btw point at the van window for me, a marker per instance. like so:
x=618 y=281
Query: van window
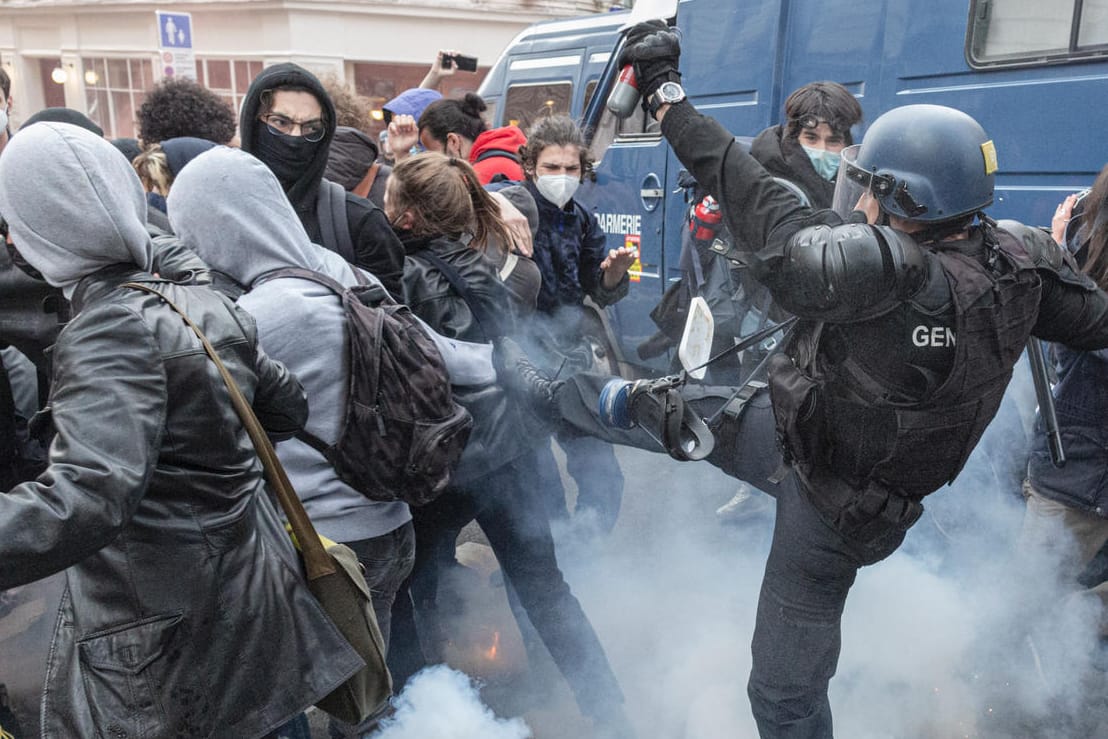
x=639 y=124
x=590 y=90
x=1023 y=32
x=525 y=103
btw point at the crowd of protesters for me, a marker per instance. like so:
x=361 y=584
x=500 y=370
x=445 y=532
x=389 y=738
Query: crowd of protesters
x=126 y=467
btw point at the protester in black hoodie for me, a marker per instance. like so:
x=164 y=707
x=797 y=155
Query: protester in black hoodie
x=298 y=110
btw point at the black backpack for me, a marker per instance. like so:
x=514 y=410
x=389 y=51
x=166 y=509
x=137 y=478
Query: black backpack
x=402 y=433
x=334 y=229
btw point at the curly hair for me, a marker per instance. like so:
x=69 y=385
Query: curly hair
x=180 y=107
x=555 y=130
x=351 y=109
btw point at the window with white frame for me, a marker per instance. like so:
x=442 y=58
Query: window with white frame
x=228 y=78
x=1033 y=32
x=114 y=90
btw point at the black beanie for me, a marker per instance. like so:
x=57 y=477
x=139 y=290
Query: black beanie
x=64 y=115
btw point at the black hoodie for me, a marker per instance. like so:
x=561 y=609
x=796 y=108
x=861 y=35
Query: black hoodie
x=784 y=157
x=376 y=247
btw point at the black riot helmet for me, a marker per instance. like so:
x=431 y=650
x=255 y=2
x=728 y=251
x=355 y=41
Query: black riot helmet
x=926 y=163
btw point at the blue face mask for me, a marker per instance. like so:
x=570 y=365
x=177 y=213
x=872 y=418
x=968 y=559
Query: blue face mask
x=825 y=163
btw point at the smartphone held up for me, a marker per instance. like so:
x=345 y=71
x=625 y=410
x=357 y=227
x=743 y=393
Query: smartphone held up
x=460 y=61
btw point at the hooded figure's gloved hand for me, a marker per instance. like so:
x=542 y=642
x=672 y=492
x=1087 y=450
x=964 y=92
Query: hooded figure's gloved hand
x=654 y=50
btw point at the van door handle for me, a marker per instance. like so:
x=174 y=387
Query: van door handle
x=651 y=192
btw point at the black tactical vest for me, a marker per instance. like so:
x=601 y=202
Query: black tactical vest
x=834 y=417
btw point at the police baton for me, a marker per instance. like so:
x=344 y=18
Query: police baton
x=1046 y=401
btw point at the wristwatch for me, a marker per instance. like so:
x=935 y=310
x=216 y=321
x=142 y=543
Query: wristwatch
x=667 y=94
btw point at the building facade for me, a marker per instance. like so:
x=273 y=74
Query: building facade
x=101 y=56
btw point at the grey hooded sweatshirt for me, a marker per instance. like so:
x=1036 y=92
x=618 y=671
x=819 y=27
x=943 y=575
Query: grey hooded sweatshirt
x=229 y=208
x=44 y=226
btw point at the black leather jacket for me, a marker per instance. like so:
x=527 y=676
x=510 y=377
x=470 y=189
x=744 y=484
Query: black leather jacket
x=503 y=428
x=429 y=294
x=183 y=612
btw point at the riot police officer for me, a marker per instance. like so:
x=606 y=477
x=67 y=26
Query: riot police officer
x=913 y=307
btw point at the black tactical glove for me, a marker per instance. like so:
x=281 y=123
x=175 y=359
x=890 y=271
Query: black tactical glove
x=654 y=50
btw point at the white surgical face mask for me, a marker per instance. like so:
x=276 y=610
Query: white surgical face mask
x=4 y=118
x=557 y=188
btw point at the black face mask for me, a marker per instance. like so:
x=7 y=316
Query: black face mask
x=19 y=261
x=287 y=156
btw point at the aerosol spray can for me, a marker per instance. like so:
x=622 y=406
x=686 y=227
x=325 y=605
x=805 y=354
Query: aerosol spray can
x=624 y=97
x=706 y=219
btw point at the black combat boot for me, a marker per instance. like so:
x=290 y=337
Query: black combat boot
x=524 y=380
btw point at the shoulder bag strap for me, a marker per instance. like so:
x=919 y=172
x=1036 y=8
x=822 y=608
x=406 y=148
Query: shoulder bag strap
x=317 y=563
x=362 y=188
x=490 y=153
x=483 y=319
x=510 y=263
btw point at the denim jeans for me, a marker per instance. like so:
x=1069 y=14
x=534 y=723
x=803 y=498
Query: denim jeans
x=810 y=569
x=511 y=513
x=388 y=560
x=592 y=464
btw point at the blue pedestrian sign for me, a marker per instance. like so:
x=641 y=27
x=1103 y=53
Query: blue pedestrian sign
x=175 y=30
x=175 y=44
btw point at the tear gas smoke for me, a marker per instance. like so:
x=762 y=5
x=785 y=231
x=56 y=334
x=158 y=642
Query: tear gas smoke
x=953 y=636
x=442 y=703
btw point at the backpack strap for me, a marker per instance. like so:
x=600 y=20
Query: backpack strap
x=509 y=267
x=479 y=314
x=334 y=229
x=338 y=289
x=362 y=188
x=305 y=274
x=490 y=153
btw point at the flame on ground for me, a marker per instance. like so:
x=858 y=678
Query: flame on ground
x=491 y=652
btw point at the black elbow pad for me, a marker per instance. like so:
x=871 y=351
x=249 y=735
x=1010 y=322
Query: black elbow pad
x=849 y=272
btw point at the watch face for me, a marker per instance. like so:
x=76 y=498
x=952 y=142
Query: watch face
x=671 y=92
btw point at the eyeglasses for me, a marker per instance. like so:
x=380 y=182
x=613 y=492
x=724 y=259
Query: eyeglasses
x=312 y=130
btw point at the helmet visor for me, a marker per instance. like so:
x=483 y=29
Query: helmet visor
x=851 y=184
x=888 y=194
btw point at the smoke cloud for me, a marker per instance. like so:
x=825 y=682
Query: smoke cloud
x=443 y=703
x=955 y=635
